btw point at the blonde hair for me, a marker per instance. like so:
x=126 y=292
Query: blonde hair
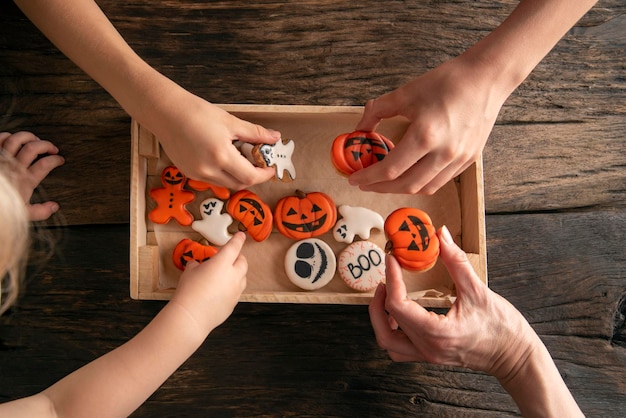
x=14 y=233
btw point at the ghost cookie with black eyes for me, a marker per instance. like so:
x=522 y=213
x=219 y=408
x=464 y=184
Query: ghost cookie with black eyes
x=278 y=155
x=310 y=264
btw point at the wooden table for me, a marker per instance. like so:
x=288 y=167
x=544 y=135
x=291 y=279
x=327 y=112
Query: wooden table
x=555 y=193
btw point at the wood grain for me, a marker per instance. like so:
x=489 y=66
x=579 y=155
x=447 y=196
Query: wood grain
x=554 y=187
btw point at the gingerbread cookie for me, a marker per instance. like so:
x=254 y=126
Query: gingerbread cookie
x=214 y=224
x=356 y=221
x=412 y=239
x=171 y=199
x=310 y=264
x=361 y=265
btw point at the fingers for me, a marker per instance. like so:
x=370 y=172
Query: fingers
x=377 y=109
x=41 y=211
x=256 y=134
x=467 y=282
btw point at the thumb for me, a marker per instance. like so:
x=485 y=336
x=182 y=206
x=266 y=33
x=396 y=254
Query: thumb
x=454 y=258
x=256 y=134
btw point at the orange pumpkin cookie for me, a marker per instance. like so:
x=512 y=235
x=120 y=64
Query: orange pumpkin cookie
x=412 y=239
x=359 y=149
x=254 y=215
x=189 y=250
x=171 y=199
x=305 y=215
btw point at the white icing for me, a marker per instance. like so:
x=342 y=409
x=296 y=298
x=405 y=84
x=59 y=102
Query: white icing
x=356 y=221
x=279 y=155
x=214 y=224
x=361 y=265
x=310 y=264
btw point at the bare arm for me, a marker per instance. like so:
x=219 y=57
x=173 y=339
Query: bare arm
x=196 y=135
x=482 y=331
x=120 y=381
x=453 y=108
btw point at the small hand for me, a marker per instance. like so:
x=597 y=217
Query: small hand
x=451 y=111
x=200 y=143
x=210 y=291
x=26 y=149
x=481 y=331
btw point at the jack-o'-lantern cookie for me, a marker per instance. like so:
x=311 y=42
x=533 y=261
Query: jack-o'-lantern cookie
x=412 y=239
x=189 y=250
x=171 y=199
x=214 y=224
x=361 y=265
x=254 y=215
x=353 y=151
x=310 y=264
x=305 y=215
x=356 y=221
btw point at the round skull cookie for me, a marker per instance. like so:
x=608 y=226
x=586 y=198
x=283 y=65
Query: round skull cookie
x=310 y=264
x=361 y=265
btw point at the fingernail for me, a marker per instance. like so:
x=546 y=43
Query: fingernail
x=445 y=235
x=54 y=207
x=275 y=134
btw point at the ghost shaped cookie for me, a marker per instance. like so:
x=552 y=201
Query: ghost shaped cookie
x=214 y=224
x=278 y=155
x=310 y=264
x=355 y=221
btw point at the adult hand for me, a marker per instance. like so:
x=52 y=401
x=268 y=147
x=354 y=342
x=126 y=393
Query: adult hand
x=27 y=151
x=451 y=111
x=481 y=331
x=210 y=291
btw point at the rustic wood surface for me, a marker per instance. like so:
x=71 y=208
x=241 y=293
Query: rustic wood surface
x=555 y=194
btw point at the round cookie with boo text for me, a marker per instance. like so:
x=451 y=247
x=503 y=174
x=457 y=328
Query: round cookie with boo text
x=361 y=265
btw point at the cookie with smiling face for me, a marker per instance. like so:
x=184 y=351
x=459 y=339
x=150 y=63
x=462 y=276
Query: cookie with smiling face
x=310 y=264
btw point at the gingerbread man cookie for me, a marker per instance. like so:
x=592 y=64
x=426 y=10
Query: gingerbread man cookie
x=356 y=221
x=214 y=224
x=362 y=265
x=171 y=199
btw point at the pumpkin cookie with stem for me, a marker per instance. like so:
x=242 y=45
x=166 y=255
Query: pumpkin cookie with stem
x=254 y=215
x=353 y=151
x=412 y=239
x=305 y=215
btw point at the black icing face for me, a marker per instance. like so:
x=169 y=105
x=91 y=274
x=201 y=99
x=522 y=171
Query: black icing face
x=312 y=261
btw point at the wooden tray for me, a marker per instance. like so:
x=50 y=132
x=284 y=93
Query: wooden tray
x=459 y=205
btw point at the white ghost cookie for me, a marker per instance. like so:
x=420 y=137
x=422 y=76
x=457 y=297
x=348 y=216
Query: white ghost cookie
x=361 y=265
x=356 y=221
x=310 y=263
x=214 y=224
x=278 y=155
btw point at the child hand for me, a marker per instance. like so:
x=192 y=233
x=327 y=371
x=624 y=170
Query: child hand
x=210 y=291
x=209 y=132
x=26 y=149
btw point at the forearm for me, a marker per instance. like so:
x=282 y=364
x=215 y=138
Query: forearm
x=132 y=372
x=85 y=35
x=509 y=53
x=537 y=387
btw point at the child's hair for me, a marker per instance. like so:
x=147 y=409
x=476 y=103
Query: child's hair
x=14 y=233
